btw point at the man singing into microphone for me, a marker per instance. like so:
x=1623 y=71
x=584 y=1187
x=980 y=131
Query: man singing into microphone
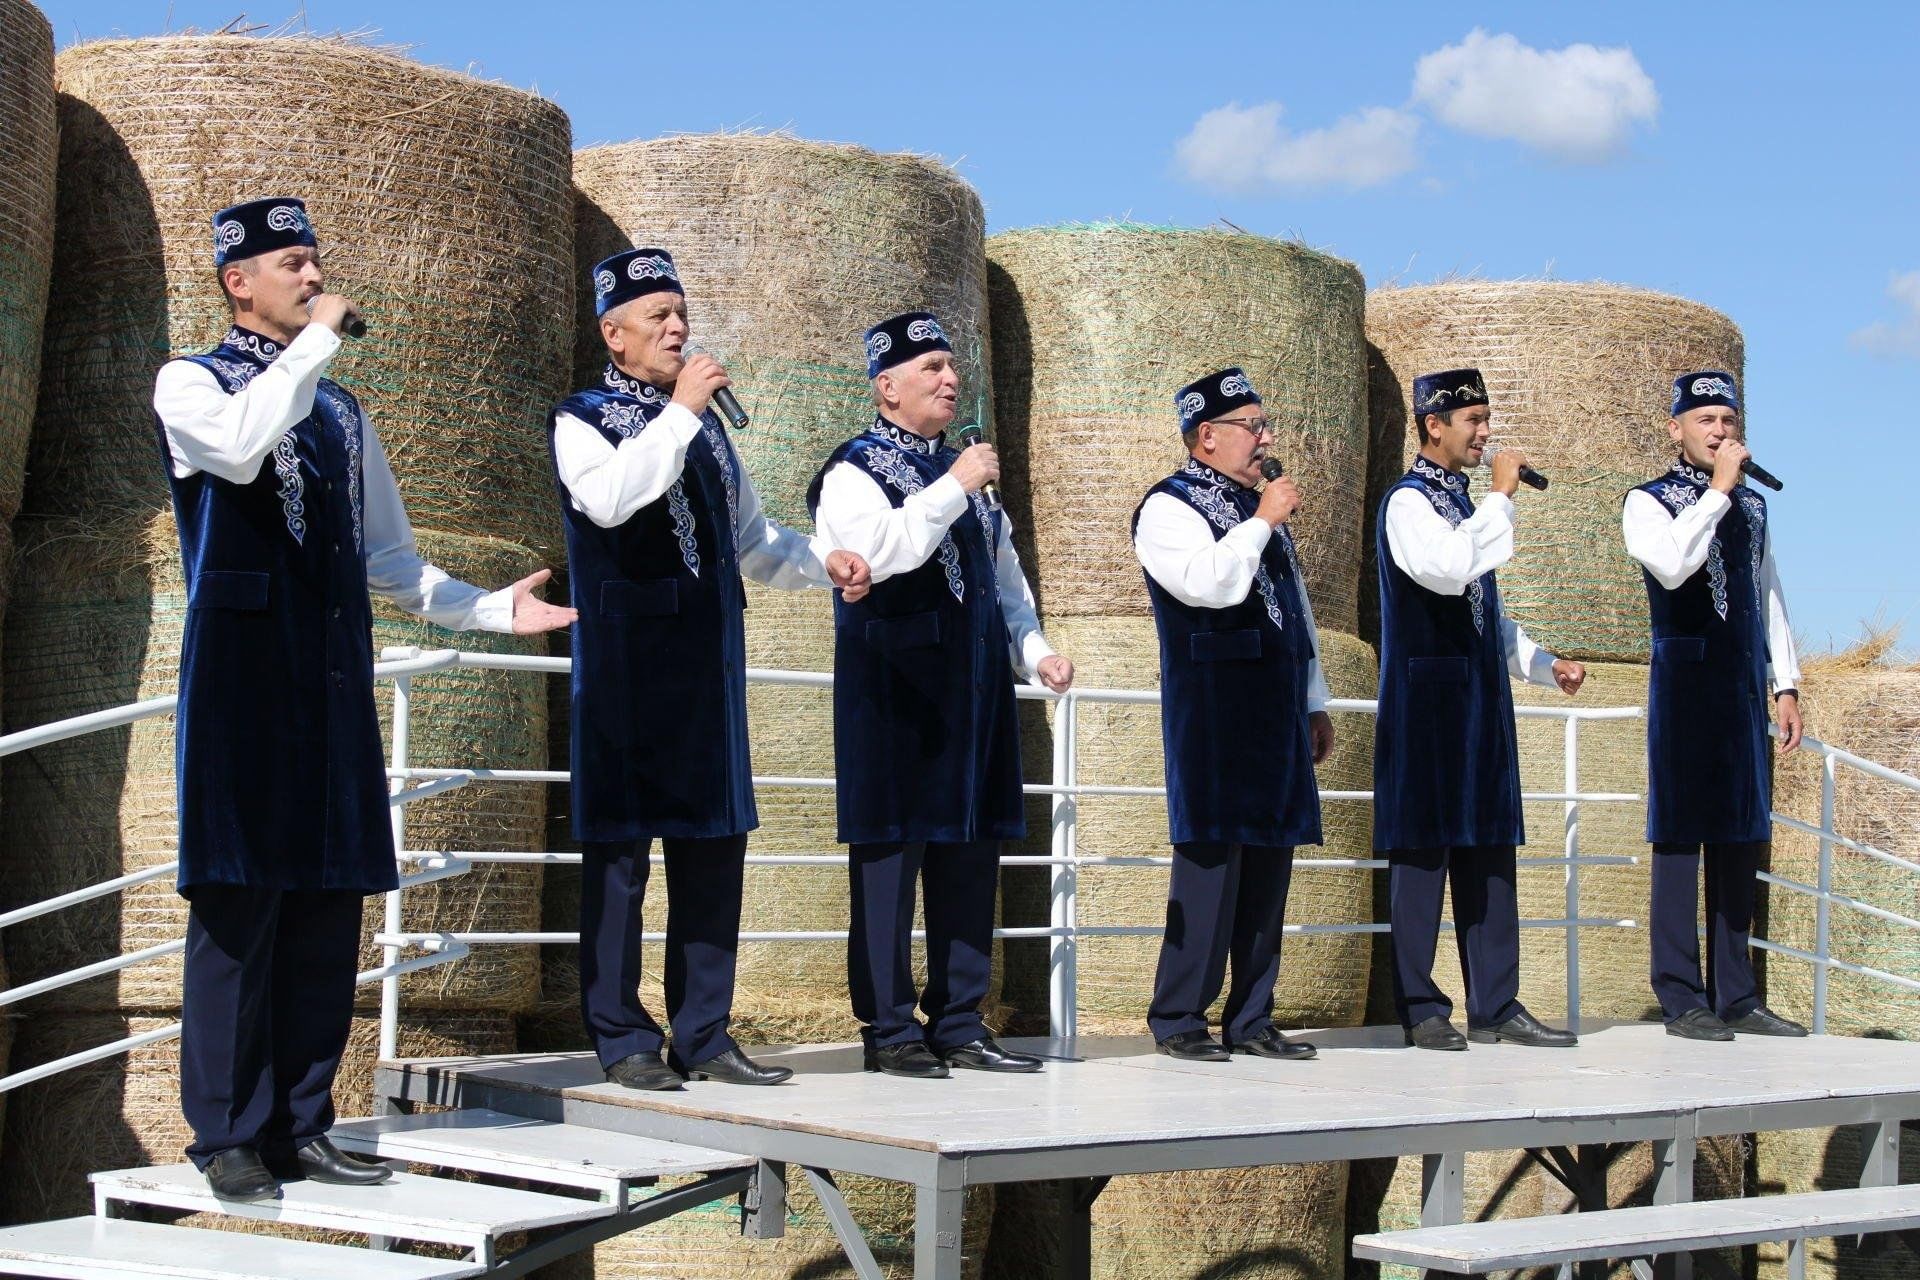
x=1242 y=718
x=926 y=747
x=1446 y=768
x=288 y=515
x=661 y=523
x=1720 y=636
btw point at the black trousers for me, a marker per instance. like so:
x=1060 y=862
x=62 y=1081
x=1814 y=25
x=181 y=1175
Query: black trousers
x=265 y=1011
x=1673 y=926
x=961 y=882
x=1224 y=902
x=1486 y=922
x=703 y=943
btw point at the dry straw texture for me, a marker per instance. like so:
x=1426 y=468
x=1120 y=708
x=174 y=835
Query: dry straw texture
x=1859 y=703
x=789 y=249
x=1095 y=328
x=1581 y=378
x=98 y=625
x=29 y=150
x=124 y=1112
x=442 y=203
x=1792 y=1161
x=1280 y=1222
x=1323 y=977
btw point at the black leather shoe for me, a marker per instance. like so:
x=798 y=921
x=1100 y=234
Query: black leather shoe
x=1271 y=1044
x=1762 y=1021
x=239 y=1173
x=1699 y=1024
x=734 y=1067
x=321 y=1161
x=1436 y=1033
x=984 y=1055
x=1193 y=1046
x=912 y=1061
x=1524 y=1028
x=644 y=1071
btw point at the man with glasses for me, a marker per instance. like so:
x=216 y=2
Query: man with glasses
x=1243 y=720
x=1446 y=764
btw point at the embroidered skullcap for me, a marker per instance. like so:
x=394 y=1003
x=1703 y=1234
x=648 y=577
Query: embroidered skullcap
x=260 y=226
x=900 y=339
x=1212 y=397
x=1446 y=391
x=633 y=274
x=1707 y=386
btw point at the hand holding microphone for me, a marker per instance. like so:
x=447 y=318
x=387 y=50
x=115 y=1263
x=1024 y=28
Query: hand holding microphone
x=1280 y=499
x=338 y=314
x=723 y=397
x=978 y=466
x=1510 y=471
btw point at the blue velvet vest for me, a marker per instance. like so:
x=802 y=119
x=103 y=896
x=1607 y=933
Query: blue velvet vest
x=282 y=781
x=1233 y=689
x=1446 y=764
x=659 y=653
x=925 y=740
x=1709 y=775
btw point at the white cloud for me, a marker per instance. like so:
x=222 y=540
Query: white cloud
x=1576 y=103
x=1901 y=337
x=1237 y=148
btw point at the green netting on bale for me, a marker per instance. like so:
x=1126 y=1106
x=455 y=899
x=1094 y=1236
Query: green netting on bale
x=1581 y=378
x=443 y=207
x=29 y=151
x=1095 y=328
x=789 y=249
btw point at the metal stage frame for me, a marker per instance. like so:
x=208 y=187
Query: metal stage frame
x=1110 y=1106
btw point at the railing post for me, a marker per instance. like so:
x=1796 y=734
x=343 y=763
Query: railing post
x=397 y=815
x=1063 y=976
x=1571 y=787
x=1821 y=904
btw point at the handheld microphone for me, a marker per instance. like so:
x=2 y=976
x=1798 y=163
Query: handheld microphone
x=1272 y=469
x=724 y=400
x=970 y=435
x=353 y=326
x=1528 y=476
x=1754 y=471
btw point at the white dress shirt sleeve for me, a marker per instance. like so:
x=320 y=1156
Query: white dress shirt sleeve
x=1445 y=558
x=769 y=551
x=231 y=435
x=1177 y=548
x=1017 y=606
x=1671 y=546
x=395 y=569
x=1525 y=660
x=1783 y=663
x=610 y=483
x=855 y=515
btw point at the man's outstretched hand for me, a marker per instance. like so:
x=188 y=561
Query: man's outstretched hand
x=531 y=614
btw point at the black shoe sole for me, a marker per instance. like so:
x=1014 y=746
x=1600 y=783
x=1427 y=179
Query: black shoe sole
x=910 y=1075
x=1308 y=1056
x=1705 y=1037
x=707 y=1075
x=1018 y=1069
x=1444 y=1046
x=1490 y=1037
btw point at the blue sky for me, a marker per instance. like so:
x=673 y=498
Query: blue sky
x=1761 y=158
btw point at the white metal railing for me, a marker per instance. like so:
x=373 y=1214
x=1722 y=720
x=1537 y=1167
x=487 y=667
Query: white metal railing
x=410 y=783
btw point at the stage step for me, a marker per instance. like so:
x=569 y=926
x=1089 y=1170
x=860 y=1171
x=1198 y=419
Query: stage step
x=111 y=1249
x=492 y=1142
x=410 y=1207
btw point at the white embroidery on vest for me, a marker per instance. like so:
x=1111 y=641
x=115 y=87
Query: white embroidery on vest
x=350 y=436
x=1476 y=590
x=898 y=472
x=1217 y=508
x=683 y=526
x=1679 y=497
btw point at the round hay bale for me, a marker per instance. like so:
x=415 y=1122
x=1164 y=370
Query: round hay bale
x=29 y=151
x=789 y=249
x=99 y=625
x=705 y=1243
x=1860 y=704
x=124 y=1112
x=1795 y=1161
x=443 y=206
x=1581 y=377
x=1384 y=1195
x=1278 y=1222
x=1323 y=977
x=1096 y=326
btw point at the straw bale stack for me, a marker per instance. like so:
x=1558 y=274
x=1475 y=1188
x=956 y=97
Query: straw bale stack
x=1323 y=977
x=1792 y=1161
x=443 y=207
x=29 y=150
x=123 y=1112
x=705 y=1243
x=1860 y=703
x=1096 y=326
x=1278 y=1222
x=789 y=249
x=99 y=624
x=1581 y=377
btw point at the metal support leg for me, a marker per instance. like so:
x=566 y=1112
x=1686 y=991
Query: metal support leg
x=1879 y=1167
x=1076 y=1241
x=763 y=1205
x=1442 y=1200
x=937 y=1228
x=855 y=1244
x=1673 y=1184
x=1797 y=1259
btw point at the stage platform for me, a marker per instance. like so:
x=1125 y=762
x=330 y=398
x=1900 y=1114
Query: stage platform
x=1111 y=1106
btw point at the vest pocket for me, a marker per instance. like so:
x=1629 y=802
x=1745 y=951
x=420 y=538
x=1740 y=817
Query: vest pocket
x=913 y=631
x=1680 y=649
x=1224 y=646
x=1437 y=670
x=651 y=598
x=230 y=589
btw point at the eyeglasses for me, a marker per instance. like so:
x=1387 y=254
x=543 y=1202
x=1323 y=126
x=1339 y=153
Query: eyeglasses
x=1257 y=427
